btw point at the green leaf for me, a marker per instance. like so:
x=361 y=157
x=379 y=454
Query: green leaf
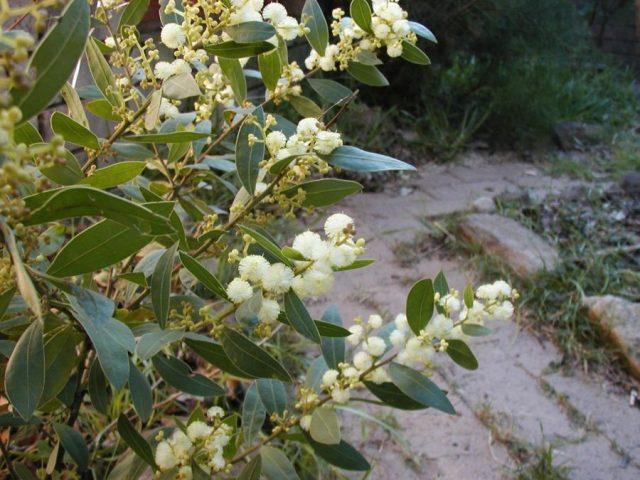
x=25 y=377
x=5 y=299
x=262 y=240
x=138 y=444
x=80 y=201
x=468 y=296
x=173 y=137
x=60 y=359
x=111 y=338
x=74 y=104
x=413 y=54
x=101 y=73
x=214 y=354
x=99 y=246
x=329 y=90
x=354 y=159
x=98 y=388
x=333 y=348
x=318 y=35
x=422 y=31
x=316 y=370
x=327 y=329
x=26 y=133
x=253 y=413
x=152 y=342
x=103 y=109
x=133 y=13
x=341 y=455
x=360 y=263
x=161 y=285
x=178 y=374
x=232 y=69
x=462 y=354
x=179 y=87
x=270 y=67
x=361 y=14
x=114 y=175
x=305 y=106
x=420 y=305
x=325 y=426
x=299 y=317
x=393 y=396
x=251 y=32
x=419 y=388
x=67 y=173
x=73 y=132
x=250 y=358
x=54 y=59
x=73 y=444
x=440 y=284
x=367 y=74
x=248 y=157
x=233 y=49
x=203 y=275
x=141 y=394
x=272 y=394
x=276 y=465
x=475 y=330
x=252 y=470
x=324 y=192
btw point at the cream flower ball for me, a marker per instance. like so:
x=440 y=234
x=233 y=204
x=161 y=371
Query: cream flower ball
x=336 y=225
x=239 y=290
x=173 y=35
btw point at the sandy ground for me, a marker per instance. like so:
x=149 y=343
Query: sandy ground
x=592 y=429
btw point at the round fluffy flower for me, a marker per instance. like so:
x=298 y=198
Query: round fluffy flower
x=439 y=326
x=401 y=27
x=253 y=268
x=310 y=245
x=487 y=292
x=356 y=334
x=305 y=421
x=215 y=412
x=336 y=225
x=181 y=444
x=317 y=282
x=502 y=287
x=278 y=278
x=274 y=12
x=269 y=311
x=340 y=395
x=165 y=458
x=379 y=375
x=450 y=303
x=381 y=30
x=308 y=127
x=198 y=430
x=288 y=28
x=239 y=290
x=362 y=361
x=180 y=66
x=375 y=321
x=110 y=42
x=163 y=70
x=327 y=142
x=397 y=338
x=330 y=377
x=394 y=49
x=351 y=373
x=401 y=322
x=275 y=141
x=172 y=35
x=504 y=311
x=375 y=346
x=342 y=255
x=168 y=109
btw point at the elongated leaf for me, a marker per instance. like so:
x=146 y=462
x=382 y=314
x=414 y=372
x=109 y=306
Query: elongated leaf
x=474 y=330
x=55 y=58
x=138 y=444
x=103 y=109
x=80 y=201
x=361 y=14
x=341 y=455
x=66 y=173
x=99 y=246
x=140 y=393
x=440 y=284
x=253 y=413
x=114 y=175
x=60 y=360
x=180 y=87
x=26 y=133
x=271 y=68
x=250 y=358
x=324 y=192
x=24 y=377
x=330 y=330
x=248 y=157
x=74 y=104
x=299 y=317
x=133 y=13
x=266 y=243
x=203 y=275
x=252 y=470
x=367 y=74
x=251 y=32
x=462 y=354
x=419 y=388
x=111 y=338
x=357 y=160
x=325 y=426
x=232 y=69
x=273 y=395
x=329 y=90
x=413 y=54
x=101 y=73
x=318 y=35
x=333 y=349
x=420 y=305
x=173 y=137
x=5 y=299
x=152 y=342
x=276 y=465
x=214 y=354
x=305 y=106
x=423 y=31
x=98 y=388
x=233 y=49
x=73 y=444
x=393 y=396
x=73 y=132
x=161 y=285
x=178 y=374
x=359 y=263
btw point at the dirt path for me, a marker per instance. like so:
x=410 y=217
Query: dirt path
x=514 y=395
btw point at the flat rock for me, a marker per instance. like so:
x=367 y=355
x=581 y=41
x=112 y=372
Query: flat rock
x=619 y=319
x=524 y=251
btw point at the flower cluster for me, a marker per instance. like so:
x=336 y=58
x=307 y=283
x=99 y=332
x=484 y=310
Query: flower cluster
x=310 y=139
x=202 y=442
x=312 y=276
x=389 y=29
x=288 y=84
